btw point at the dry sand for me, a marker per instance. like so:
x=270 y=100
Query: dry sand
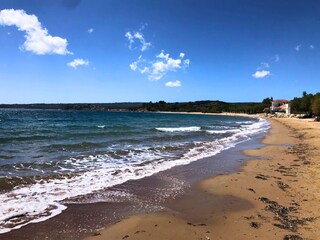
x=275 y=196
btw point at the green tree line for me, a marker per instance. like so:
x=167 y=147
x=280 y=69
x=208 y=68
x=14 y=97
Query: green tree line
x=208 y=106
x=308 y=103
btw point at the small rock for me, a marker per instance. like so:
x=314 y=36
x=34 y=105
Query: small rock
x=283 y=186
x=202 y=224
x=255 y=225
x=292 y=237
x=262 y=177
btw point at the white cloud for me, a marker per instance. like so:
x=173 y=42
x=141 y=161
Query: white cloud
x=163 y=55
x=311 y=46
x=173 y=84
x=132 y=36
x=276 y=58
x=90 y=30
x=78 y=62
x=297 y=48
x=261 y=71
x=135 y=66
x=186 y=62
x=160 y=67
x=38 y=40
x=263 y=65
x=167 y=64
x=261 y=74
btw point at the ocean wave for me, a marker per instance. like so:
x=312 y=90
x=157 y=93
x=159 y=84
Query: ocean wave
x=244 y=122
x=46 y=198
x=180 y=129
x=223 y=131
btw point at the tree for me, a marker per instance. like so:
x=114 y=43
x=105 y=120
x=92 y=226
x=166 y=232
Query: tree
x=315 y=105
x=304 y=94
x=302 y=104
x=267 y=101
x=305 y=103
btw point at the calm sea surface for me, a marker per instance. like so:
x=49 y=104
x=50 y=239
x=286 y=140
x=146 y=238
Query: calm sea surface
x=47 y=157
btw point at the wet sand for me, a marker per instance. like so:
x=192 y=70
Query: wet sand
x=274 y=198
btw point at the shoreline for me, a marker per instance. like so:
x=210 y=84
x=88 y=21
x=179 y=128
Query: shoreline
x=215 y=114
x=81 y=220
x=275 y=197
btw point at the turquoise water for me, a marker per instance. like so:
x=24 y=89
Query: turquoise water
x=47 y=157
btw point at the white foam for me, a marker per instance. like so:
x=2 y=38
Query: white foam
x=223 y=131
x=180 y=129
x=101 y=126
x=245 y=122
x=261 y=126
x=43 y=200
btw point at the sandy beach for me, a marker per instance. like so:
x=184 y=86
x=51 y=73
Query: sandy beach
x=216 y=114
x=273 y=196
x=159 y=120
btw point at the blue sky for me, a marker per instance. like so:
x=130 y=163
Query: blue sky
x=146 y=50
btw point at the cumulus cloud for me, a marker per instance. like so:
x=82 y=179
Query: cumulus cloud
x=133 y=36
x=311 y=46
x=165 y=64
x=78 y=62
x=298 y=47
x=160 y=66
x=157 y=68
x=261 y=71
x=38 y=40
x=90 y=30
x=173 y=84
x=261 y=74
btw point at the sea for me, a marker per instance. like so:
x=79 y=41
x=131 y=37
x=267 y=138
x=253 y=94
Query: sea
x=49 y=158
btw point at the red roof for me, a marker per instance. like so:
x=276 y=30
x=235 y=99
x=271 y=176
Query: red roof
x=281 y=101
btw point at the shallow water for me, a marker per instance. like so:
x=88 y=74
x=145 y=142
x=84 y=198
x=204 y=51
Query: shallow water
x=48 y=157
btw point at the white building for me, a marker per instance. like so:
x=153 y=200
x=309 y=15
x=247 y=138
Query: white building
x=282 y=106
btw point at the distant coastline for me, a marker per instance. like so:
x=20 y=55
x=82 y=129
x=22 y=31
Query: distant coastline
x=161 y=106
x=125 y=106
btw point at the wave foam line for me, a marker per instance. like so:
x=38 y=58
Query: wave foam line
x=180 y=129
x=43 y=200
x=223 y=131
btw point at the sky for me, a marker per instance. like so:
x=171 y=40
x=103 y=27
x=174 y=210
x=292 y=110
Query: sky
x=77 y=51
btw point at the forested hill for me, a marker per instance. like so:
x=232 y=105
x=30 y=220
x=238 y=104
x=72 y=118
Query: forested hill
x=207 y=106
x=127 y=106
x=198 y=106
